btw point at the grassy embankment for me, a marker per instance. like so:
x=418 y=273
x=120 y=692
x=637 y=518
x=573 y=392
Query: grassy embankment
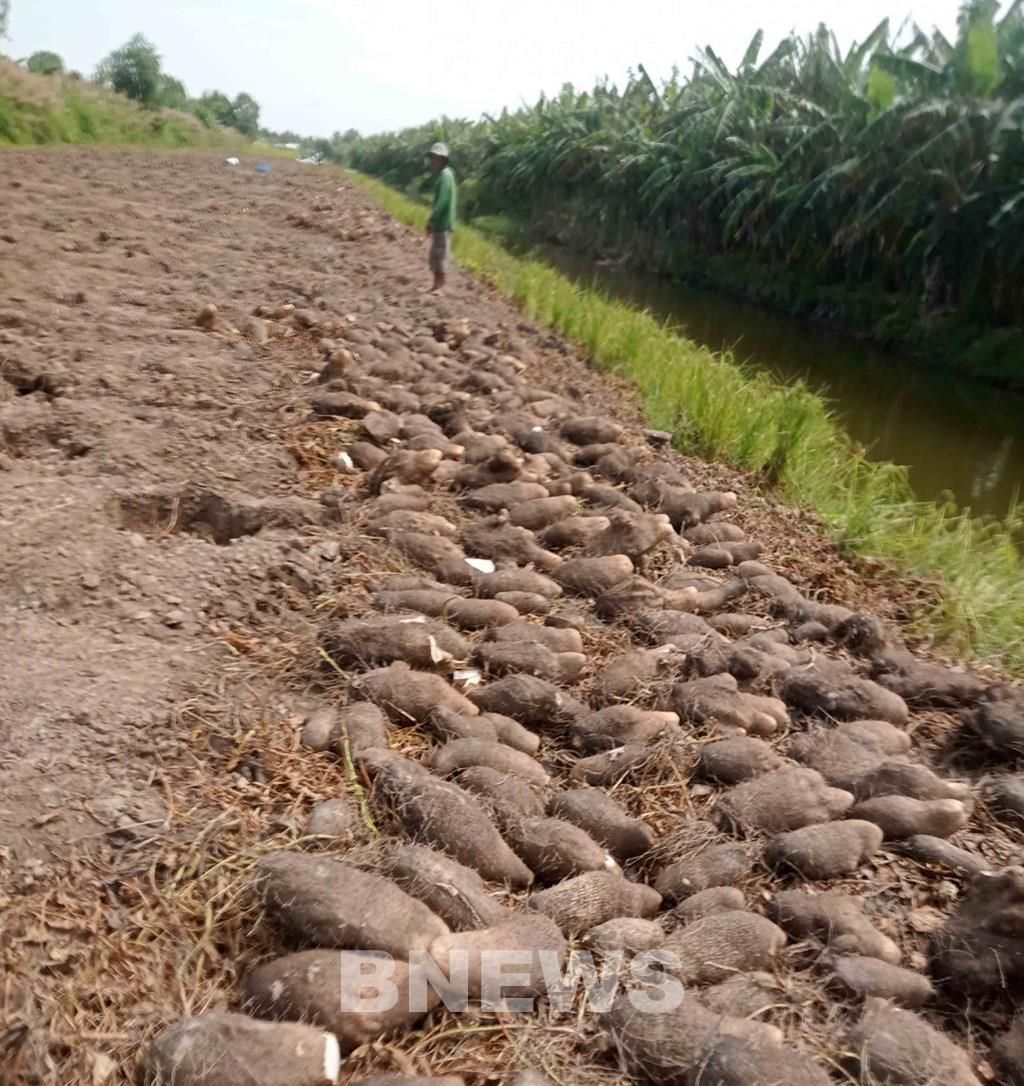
x=37 y=109
x=784 y=435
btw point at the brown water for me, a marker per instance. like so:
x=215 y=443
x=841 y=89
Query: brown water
x=958 y=437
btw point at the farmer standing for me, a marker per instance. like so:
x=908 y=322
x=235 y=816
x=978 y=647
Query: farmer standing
x=442 y=215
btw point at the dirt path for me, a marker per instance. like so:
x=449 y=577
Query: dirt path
x=178 y=535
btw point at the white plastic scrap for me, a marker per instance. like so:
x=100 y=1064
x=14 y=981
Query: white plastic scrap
x=232 y=161
x=481 y=565
x=469 y=676
x=437 y=654
x=343 y=462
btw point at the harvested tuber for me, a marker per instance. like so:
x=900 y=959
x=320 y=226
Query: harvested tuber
x=451 y=891
x=408 y=697
x=319 y=987
x=594 y=811
x=785 y=799
x=223 y=1049
x=460 y=753
x=333 y=904
x=444 y=815
x=581 y=903
x=826 y=851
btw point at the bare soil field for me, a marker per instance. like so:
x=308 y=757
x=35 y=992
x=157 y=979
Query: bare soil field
x=243 y=462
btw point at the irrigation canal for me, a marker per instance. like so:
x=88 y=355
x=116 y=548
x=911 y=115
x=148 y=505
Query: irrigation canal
x=958 y=437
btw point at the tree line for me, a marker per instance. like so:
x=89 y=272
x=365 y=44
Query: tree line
x=136 y=71
x=893 y=169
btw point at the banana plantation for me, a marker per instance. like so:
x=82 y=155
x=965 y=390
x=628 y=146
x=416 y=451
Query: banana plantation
x=882 y=185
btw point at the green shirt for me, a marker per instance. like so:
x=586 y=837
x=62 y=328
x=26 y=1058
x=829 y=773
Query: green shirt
x=442 y=216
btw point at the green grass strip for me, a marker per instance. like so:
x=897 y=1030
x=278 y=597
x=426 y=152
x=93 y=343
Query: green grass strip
x=783 y=433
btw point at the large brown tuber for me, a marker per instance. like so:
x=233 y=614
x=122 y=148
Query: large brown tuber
x=594 y=811
x=517 y=580
x=428 y=551
x=902 y=816
x=460 y=753
x=734 y=760
x=611 y=766
x=739 y=1061
x=427 y=601
x=593 y=576
x=479 y=614
x=937 y=852
x=724 y=555
x=526 y=603
x=323 y=987
x=533 y=702
x=675 y=1046
x=445 y=815
x=838 y=756
x=531 y=658
x=836 y=919
x=541 y=513
x=448 y=725
x=718 y=699
x=573 y=531
x=583 y=902
x=902 y=778
x=450 y=890
x=506 y=795
x=554 y=849
x=897 y=1048
x=980 y=950
x=863 y=977
x=619 y=725
x=715 y=899
x=370 y=641
x=688 y=510
x=535 y=937
x=717 y=865
x=785 y=799
x=500 y=541
x=409 y=697
x=512 y=733
x=591 y=430
x=228 y=1049
x=554 y=638
x=504 y=466
x=630 y=674
x=407 y=520
x=826 y=851
x=998 y=722
x=716 y=946
x=831 y=687
x=404 y=466
x=332 y=904
x=631 y=534
x=925 y=684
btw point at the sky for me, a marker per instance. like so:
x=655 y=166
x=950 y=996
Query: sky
x=319 y=66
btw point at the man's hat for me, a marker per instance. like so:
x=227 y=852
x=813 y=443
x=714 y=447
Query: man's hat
x=440 y=150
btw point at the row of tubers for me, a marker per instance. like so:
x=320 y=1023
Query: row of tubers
x=560 y=525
